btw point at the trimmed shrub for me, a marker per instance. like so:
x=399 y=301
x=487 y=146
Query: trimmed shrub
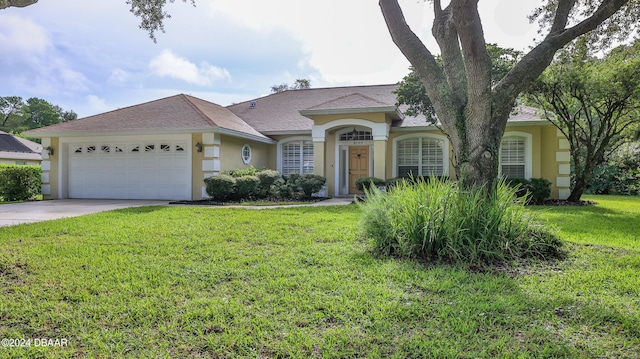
x=220 y=188
x=533 y=191
x=309 y=183
x=438 y=220
x=20 y=183
x=267 y=180
x=367 y=182
x=241 y=172
x=246 y=186
x=540 y=189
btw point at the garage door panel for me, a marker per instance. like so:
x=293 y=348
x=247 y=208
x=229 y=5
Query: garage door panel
x=136 y=170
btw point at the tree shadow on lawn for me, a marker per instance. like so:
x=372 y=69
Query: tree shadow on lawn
x=585 y=222
x=525 y=311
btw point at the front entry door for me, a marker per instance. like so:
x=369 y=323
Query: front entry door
x=358 y=165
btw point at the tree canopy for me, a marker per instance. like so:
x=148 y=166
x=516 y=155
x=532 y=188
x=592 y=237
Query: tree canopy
x=593 y=101
x=18 y=116
x=297 y=85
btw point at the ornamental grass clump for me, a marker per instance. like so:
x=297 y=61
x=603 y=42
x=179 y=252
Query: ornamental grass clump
x=438 y=220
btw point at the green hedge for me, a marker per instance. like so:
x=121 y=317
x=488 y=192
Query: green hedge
x=20 y=183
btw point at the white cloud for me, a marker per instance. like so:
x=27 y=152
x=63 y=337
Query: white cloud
x=118 y=77
x=168 y=64
x=20 y=37
x=97 y=104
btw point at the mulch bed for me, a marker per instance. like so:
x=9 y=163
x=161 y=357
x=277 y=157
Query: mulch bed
x=564 y=202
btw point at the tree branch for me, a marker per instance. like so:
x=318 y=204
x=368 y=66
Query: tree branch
x=538 y=59
x=562 y=15
x=446 y=34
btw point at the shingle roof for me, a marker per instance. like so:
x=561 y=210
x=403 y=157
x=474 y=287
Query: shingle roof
x=280 y=112
x=12 y=147
x=171 y=113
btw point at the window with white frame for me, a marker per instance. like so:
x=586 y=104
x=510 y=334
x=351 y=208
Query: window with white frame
x=297 y=157
x=420 y=156
x=246 y=154
x=513 y=157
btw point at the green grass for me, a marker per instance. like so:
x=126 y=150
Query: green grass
x=300 y=282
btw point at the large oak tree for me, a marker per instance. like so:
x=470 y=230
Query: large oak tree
x=472 y=111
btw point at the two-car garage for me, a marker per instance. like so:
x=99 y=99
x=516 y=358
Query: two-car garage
x=129 y=168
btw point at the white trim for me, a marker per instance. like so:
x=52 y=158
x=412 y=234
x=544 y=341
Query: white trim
x=379 y=131
x=563 y=182
x=445 y=150
x=528 y=152
x=563 y=157
x=246 y=160
x=246 y=136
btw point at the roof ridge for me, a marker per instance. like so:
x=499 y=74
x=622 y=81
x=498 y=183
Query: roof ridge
x=197 y=109
x=346 y=96
x=311 y=89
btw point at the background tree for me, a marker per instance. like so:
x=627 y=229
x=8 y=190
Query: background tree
x=474 y=111
x=593 y=102
x=13 y=113
x=297 y=85
x=19 y=116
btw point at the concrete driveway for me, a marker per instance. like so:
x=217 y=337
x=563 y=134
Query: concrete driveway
x=29 y=212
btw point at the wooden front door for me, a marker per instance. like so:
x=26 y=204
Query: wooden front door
x=358 y=165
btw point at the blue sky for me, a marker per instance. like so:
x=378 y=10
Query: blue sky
x=91 y=57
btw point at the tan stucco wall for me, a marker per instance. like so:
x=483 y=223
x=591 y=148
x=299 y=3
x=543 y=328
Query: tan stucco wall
x=231 y=154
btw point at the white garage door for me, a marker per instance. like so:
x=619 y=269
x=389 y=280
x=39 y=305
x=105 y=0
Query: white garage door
x=155 y=169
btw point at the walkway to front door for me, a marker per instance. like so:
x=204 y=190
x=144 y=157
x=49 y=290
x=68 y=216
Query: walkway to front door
x=358 y=165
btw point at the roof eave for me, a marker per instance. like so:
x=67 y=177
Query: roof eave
x=156 y=131
x=225 y=131
x=391 y=110
x=285 y=132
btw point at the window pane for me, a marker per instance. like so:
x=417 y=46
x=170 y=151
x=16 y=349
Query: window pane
x=512 y=157
x=513 y=150
x=420 y=157
x=307 y=157
x=409 y=152
x=290 y=158
x=407 y=171
x=297 y=157
x=513 y=171
x=432 y=157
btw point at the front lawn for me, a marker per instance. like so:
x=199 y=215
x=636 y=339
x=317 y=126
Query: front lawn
x=300 y=282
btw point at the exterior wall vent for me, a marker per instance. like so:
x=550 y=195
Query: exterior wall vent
x=253 y=104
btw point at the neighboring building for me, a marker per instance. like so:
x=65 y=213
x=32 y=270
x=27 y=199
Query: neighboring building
x=19 y=151
x=164 y=149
